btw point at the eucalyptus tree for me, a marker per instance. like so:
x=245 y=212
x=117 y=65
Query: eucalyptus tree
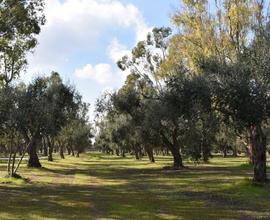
x=221 y=28
x=20 y=23
x=148 y=56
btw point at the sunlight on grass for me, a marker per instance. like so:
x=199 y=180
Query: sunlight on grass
x=109 y=187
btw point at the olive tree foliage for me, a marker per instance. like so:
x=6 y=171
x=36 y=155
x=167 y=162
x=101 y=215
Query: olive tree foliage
x=40 y=111
x=229 y=45
x=159 y=108
x=242 y=93
x=43 y=106
x=144 y=87
x=187 y=116
x=77 y=133
x=209 y=79
x=121 y=129
x=20 y=23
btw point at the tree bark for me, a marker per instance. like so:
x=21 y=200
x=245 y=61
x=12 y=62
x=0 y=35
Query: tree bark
x=206 y=150
x=175 y=150
x=72 y=151
x=234 y=151
x=117 y=152
x=50 y=150
x=13 y=163
x=22 y=156
x=249 y=148
x=177 y=158
x=150 y=154
x=136 y=152
x=68 y=150
x=32 y=151
x=137 y=155
x=9 y=162
x=45 y=148
x=61 y=151
x=257 y=143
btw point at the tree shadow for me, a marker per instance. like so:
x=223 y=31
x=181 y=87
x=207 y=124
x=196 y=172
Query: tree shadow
x=126 y=192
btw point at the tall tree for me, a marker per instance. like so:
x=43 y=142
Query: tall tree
x=20 y=22
x=228 y=35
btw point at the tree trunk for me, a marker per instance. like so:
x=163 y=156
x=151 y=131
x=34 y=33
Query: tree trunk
x=249 y=149
x=177 y=158
x=224 y=150
x=72 y=151
x=78 y=154
x=137 y=155
x=9 y=163
x=22 y=156
x=175 y=150
x=13 y=163
x=32 y=151
x=136 y=152
x=45 y=148
x=206 y=150
x=50 y=150
x=61 y=151
x=68 y=150
x=257 y=143
x=234 y=151
x=150 y=154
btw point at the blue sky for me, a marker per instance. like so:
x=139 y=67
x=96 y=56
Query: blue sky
x=82 y=40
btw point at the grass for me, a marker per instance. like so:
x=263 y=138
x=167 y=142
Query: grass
x=98 y=186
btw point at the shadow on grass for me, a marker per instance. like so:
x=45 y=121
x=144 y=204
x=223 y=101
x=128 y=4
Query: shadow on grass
x=127 y=189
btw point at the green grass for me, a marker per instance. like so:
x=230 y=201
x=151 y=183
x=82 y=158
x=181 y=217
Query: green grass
x=98 y=186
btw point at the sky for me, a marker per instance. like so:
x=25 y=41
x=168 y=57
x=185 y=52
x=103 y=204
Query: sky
x=83 y=39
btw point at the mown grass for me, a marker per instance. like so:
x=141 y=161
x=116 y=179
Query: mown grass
x=98 y=186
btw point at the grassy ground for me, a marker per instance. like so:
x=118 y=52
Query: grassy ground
x=97 y=186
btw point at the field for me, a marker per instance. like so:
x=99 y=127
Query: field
x=97 y=186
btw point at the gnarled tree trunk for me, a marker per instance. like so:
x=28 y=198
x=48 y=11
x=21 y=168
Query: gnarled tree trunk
x=177 y=158
x=32 y=151
x=257 y=143
x=175 y=150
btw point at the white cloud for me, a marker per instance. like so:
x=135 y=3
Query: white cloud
x=78 y=25
x=116 y=50
x=102 y=73
x=77 y=29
